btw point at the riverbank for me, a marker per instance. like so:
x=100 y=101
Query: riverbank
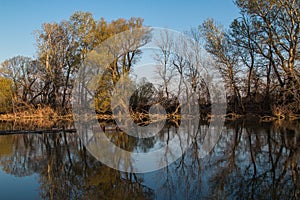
x=47 y=116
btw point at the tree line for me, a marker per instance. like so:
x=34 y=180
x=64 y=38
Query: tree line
x=257 y=56
x=61 y=49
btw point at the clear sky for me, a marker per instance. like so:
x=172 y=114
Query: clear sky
x=19 y=18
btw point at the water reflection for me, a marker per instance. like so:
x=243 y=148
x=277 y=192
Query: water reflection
x=250 y=161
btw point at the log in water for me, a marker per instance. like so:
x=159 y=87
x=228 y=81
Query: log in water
x=12 y=132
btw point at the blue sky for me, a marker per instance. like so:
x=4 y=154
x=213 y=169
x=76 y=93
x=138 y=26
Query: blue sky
x=19 y=18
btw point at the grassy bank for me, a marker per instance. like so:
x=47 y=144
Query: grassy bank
x=46 y=116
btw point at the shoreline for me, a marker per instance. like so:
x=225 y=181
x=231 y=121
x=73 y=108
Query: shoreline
x=137 y=117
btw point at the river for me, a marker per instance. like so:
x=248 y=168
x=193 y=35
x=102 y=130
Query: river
x=251 y=160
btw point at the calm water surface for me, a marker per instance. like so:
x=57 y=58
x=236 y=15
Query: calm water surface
x=251 y=160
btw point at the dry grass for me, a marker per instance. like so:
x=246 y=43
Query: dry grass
x=47 y=117
x=40 y=114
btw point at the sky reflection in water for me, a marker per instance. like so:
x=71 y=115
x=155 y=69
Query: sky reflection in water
x=251 y=161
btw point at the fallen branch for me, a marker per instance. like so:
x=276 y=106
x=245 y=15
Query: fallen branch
x=13 y=132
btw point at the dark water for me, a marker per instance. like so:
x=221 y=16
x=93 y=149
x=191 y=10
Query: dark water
x=251 y=160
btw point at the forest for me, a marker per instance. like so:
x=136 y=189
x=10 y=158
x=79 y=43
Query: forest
x=258 y=57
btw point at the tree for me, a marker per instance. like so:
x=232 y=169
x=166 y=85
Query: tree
x=115 y=58
x=129 y=47
x=271 y=30
x=6 y=94
x=62 y=48
x=164 y=57
x=219 y=45
x=52 y=51
x=143 y=97
x=23 y=72
x=263 y=43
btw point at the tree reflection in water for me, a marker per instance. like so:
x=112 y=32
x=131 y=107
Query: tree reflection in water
x=250 y=161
